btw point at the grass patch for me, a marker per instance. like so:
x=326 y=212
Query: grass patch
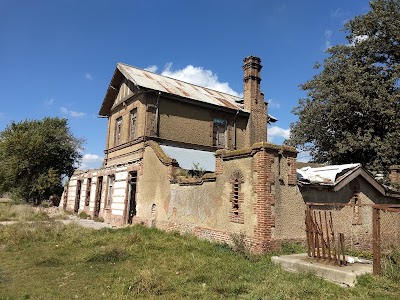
x=83 y=215
x=68 y=261
x=113 y=254
x=10 y=211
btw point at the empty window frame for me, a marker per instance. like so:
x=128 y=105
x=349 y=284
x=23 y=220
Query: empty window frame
x=132 y=132
x=118 y=131
x=88 y=189
x=219 y=132
x=110 y=188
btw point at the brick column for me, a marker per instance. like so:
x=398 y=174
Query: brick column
x=264 y=201
x=292 y=172
x=218 y=162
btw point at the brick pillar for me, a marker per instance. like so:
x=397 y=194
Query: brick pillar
x=218 y=163
x=265 y=199
x=292 y=172
x=256 y=130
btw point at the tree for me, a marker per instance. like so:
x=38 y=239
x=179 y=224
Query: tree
x=352 y=109
x=35 y=155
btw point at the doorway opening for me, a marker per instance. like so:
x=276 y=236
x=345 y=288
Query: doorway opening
x=97 y=201
x=132 y=196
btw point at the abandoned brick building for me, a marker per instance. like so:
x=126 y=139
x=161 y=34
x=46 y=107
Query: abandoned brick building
x=185 y=157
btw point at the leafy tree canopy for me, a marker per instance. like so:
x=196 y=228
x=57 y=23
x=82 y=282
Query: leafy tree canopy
x=35 y=155
x=352 y=109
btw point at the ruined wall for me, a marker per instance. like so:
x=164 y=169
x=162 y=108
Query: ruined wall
x=240 y=198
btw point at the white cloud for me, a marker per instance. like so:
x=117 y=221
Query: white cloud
x=48 y=103
x=277 y=132
x=152 y=68
x=91 y=157
x=91 y=161
x=199 y=76
x=273 y=104
x=72 y=113
x=88 y=76
x=328 y=39
x=358 y=39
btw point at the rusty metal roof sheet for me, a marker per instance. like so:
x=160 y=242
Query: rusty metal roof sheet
x=183 y=89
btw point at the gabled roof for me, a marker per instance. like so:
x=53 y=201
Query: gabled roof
x=152 y=81
x=338 y=176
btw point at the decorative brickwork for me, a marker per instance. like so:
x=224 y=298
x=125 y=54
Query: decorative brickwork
x=236 y=197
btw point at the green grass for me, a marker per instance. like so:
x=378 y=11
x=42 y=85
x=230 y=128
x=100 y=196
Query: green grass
x=10 y=211
x=55 y=261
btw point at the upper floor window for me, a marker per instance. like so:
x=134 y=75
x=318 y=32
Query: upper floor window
x=219 y=132
x=132 y=134
x=118 y=131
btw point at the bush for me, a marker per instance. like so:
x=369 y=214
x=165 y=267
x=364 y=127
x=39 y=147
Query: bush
x=83 y=215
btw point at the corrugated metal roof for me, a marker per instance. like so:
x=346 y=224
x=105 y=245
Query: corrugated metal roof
x=327 y=175
x=169 y=85
x=186 y=158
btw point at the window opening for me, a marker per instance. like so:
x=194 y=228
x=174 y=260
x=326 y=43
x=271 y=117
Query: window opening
x=98 y=196
x=132 y=196
x=88 y=188
x=118 y=131
x=219 y=132
x=78 y=195
x=132 y=134
x=235 y=202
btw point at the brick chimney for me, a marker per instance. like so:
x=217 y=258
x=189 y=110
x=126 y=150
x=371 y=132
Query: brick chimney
x=256 y=130
x=394 y=174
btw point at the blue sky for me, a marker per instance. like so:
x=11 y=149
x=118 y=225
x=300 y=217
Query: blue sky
x=57 y=57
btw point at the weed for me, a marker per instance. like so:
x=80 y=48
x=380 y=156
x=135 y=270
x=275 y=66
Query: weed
x=83 y=215
x=147 y=282
x=292 y=248
x=240 y=246
x=98 y=219
x=390 y=264
x=113 y=254
x=49 y=262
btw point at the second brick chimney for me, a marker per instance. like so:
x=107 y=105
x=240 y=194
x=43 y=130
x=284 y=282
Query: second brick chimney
x=256 y=130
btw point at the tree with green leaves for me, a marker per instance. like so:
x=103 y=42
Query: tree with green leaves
x=35 y=155
x=352 y=109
